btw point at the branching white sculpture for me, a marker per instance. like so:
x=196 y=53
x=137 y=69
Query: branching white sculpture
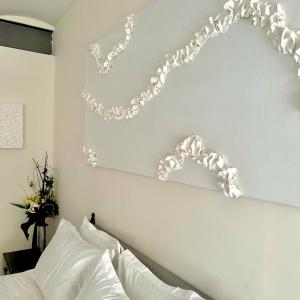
x=105 y=64
x=270 y=17
x=194 y=148
x=91 y=155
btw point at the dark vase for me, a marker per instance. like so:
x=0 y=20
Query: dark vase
x=39 y=238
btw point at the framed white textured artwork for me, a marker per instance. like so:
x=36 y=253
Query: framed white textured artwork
x=154 y=81
x=11 y=125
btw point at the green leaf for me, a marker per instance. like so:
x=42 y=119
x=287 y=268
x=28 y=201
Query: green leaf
x=19 y=205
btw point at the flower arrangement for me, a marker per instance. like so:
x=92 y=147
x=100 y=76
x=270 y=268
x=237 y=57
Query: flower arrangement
x=41 y=204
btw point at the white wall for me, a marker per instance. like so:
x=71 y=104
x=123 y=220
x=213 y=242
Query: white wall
x=27 y=21
x=26 y=78
x=233 y=250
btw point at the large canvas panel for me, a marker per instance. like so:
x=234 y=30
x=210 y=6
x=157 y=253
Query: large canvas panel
x=240 y=95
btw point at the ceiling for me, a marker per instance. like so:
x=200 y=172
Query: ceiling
x=48 y=11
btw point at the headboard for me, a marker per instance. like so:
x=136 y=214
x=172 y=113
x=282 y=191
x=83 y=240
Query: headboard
x=159 y=271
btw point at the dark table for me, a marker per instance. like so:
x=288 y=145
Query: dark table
x=20 y=261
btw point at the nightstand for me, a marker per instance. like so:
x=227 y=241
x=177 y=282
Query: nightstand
x=20 y=261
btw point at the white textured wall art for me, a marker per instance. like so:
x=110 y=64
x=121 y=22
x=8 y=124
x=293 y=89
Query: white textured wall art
x=240 y=93
x=91 y=156
x=193 y=147
x=11 y=125
x=263 y=14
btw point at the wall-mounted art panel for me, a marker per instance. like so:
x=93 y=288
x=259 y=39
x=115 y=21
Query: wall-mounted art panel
x=239 y=93
x=11 y=125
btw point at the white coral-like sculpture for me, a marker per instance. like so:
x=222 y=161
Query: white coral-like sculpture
x=91 y=155
x=194 y=148
x=105 y=63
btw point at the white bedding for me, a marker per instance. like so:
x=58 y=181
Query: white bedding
x=19 y=286
x=72 y=269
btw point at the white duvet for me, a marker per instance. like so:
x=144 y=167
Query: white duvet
x=19 y=286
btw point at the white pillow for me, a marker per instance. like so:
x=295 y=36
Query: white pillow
x=140 y=284
x=20 y=286
x=103 y=283
x=66 y=263
x=101 y=240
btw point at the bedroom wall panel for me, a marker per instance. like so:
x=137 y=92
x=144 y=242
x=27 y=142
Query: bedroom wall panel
x=26 y=78
x=231 y=249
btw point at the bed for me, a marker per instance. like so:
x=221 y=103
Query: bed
x=162 y=273
x=26 y=285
